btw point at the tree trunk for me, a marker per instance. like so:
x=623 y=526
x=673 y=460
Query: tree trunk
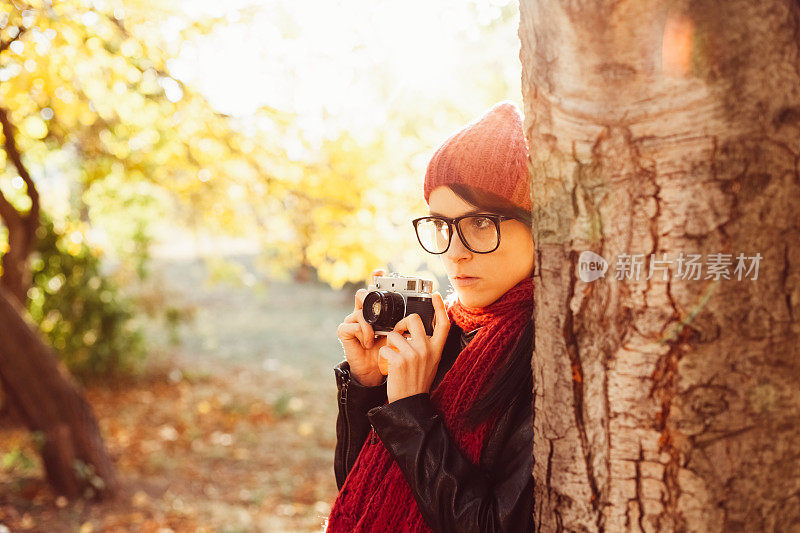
x=51 y=403
x=16 y=273
x=665 y=400
x=16 y=276
x=34 y=390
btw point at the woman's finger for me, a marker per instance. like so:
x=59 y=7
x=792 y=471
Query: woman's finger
x=442 y=326
x=398 y=342
x=412 y=324
x=388 y=353
x=350 y=331
x=360 y=295
x=378 y=272
x=353 y=318
x=366 y=329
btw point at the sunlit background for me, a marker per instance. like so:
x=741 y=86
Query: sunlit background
x=397 y=78
x=360 y=92
x=216 y=179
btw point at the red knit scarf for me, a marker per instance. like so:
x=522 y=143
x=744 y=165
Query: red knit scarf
x=375 y=496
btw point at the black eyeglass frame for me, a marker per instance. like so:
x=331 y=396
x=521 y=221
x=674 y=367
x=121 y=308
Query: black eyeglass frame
x=496 y=219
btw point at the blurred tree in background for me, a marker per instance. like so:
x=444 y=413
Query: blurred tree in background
x=89 y=87
x=86 y=96
x=92 y=112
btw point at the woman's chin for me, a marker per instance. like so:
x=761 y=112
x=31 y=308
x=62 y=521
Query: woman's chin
x=469 y=300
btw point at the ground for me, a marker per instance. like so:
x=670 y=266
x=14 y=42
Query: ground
x=232 y=429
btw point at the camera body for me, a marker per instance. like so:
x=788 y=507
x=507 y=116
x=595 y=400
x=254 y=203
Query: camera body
x=393 y=297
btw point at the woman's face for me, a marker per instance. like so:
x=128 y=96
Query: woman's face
x=495 y=272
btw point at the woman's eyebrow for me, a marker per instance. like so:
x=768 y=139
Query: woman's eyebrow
x=470 y=212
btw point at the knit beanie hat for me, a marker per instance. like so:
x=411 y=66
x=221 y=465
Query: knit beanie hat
x=489 y=153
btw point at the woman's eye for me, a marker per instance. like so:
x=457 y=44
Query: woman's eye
x=481 y=222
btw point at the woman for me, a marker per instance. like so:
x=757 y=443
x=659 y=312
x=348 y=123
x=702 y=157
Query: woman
x=444 y=441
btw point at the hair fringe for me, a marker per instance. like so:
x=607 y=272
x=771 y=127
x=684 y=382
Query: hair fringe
x=491 y=202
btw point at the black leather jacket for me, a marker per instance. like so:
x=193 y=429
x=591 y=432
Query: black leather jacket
x=452 y=494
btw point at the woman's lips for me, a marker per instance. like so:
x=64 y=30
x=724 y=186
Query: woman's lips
x=464 y=281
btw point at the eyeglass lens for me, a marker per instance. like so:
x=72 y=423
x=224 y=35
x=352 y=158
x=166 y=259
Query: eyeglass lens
x=480 y=234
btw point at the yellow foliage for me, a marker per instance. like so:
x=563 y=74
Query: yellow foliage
x=93 y=77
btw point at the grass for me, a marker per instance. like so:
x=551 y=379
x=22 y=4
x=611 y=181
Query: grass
x=265 y=323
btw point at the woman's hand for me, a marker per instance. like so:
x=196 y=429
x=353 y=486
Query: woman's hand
x=359 y=342
x=413 y=361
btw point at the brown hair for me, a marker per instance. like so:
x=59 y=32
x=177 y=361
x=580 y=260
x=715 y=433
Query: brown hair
x=491 y=202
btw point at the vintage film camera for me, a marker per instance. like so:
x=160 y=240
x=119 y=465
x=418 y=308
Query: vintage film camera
x=392 y=298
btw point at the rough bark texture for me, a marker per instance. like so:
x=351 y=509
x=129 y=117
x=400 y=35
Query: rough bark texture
x=52 y=404
x=662 y=126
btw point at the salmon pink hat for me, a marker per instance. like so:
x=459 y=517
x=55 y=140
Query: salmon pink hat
x=489 y=153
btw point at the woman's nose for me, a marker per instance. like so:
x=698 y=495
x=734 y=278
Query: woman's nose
x=457 y=250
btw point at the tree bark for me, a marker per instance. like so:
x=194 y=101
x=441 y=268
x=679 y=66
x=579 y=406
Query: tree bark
x=665 y=403
x=51 y=403
x=35 y=391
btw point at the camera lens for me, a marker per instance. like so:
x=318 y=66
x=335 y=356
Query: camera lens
x=383 y=309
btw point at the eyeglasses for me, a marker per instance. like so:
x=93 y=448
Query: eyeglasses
x=480 y=233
